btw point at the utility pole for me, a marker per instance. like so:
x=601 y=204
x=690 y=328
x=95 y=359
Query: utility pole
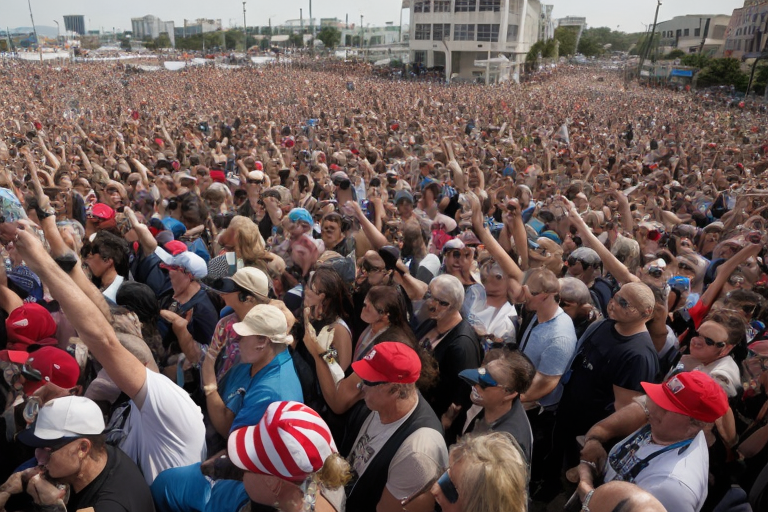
x=362 y=34
x=312 y=30
x=34 y=29
x=58 y=31
x=653 y=34
x=245 y=32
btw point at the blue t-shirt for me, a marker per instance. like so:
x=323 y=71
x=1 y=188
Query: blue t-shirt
x=550 y=346
x=248 y=397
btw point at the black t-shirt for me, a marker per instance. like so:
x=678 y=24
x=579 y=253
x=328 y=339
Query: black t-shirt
x=605 y=360
x=120 y=487
x=513 y=422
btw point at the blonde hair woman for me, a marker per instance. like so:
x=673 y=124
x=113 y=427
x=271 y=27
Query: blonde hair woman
x=487 y=473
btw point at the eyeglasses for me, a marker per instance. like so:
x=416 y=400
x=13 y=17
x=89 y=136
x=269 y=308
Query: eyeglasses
x=735 y=280
x=623 y=303
x=371 y=384
x=429 y=296
x=367 y=268
x=572 y=261
x=655 y=271
x=712 y=343
x=254 y=182
x=448 y=488
x=485 y=380
x=454 y=254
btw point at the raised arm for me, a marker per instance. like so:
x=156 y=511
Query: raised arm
x=610 y=263
x=374 y=236
x=498 y=253
x=93 y=328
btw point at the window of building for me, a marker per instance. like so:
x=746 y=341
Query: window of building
x=442 y=6
x=488 y=32
x=421 y=6
x=697 y=32
x=441 y=31
x=465 y=6
x=490 y=5
x=511 y=33
x=686 y=32
x=463 y=32
x=420 y=56
x=422 y=31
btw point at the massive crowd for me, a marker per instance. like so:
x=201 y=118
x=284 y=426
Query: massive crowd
x=265 y=289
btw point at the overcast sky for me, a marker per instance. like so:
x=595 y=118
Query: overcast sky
x=627 y=15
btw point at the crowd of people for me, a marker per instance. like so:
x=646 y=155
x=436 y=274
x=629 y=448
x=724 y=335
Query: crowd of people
x=306 y=288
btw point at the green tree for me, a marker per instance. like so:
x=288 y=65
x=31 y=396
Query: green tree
x=330 y=36
x=234 y=39
x=590 y=46
x=567 y=37
x=723 y=72
x=677 y=53
x=695 y=60
x=163 y=41
x=296 y=40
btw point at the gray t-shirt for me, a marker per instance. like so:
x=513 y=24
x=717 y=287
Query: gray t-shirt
x=550 y=346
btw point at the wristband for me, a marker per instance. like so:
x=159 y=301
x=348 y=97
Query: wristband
x=210 y=388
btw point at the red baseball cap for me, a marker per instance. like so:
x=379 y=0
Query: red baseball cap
x=175 y=247
x=55 y=366
x=30 y=324
x=693 y=394
x=102 y=211
x=14 y=356
x=218 y=176
x=389 y=361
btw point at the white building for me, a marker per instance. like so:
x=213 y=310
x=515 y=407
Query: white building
x=473 y=38
x=152 y=26
x=687 y=33
x=198 y=26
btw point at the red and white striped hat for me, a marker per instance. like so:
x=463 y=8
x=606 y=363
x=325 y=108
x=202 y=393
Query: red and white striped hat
x=291 y=441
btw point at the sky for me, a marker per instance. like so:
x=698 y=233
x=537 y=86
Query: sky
x=106 y=14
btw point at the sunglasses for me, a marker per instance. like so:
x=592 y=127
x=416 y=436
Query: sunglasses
x=255 y=182
x=685 y=266
x=655 y=271
x=454 y=253
x=429 y=296
x=485 y=381
x=572 y=261
x=371 y=384
x=448 y=488
x=367 y=268
x=622 y=302
x=712 y=343
x=735 y=280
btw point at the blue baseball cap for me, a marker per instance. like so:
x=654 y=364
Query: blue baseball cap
x=301 y=215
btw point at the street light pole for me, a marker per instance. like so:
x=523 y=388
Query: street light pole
x=245 y=32
x=58 y=31
x=653 y=34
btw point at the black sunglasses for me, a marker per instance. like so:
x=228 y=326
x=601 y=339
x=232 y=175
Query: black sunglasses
x=255 y=182
x=429 y=296
x=448 y=488
x=655 y=271
x=712 y=343
x=371 y=384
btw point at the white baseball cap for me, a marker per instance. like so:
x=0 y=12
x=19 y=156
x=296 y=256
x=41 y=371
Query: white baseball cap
x=69 y=417
x=265 y=320
x=189 y=261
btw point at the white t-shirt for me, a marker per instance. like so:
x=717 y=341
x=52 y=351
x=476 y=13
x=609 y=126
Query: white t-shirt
x=167 y=431
x=499 y=321
x=677 y=480
x=422 y=456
